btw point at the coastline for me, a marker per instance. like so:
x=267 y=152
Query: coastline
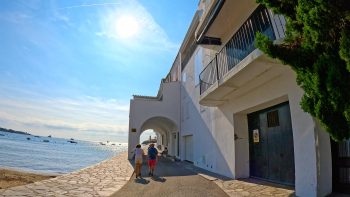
x=101 y=179
x=14 y=177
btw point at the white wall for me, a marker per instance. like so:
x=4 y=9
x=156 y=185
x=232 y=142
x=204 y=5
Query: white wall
x=199 y=121
x=241 y=145
x=324 y=161
x=142 y=110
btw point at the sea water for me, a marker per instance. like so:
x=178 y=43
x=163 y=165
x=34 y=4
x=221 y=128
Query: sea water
x=57 y=156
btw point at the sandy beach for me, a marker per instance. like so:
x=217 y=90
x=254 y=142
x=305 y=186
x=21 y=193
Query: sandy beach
x=12 y=178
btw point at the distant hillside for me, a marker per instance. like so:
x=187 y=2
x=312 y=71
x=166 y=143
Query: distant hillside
x=148 y=141
x=14 y=131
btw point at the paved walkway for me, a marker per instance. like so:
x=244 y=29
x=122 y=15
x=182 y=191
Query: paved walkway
x=102 y=179
x=242 y=187
x=170 y=180
x=184 y=179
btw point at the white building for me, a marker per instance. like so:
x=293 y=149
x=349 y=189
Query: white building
x=230 y=109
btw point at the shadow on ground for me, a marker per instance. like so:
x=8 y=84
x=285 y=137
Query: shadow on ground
x=141 y=181
x=165 y=167
x=170 y=179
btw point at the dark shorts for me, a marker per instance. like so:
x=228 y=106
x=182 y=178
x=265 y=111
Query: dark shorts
x=152 y=162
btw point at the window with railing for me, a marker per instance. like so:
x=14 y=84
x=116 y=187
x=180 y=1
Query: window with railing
x=238 y=47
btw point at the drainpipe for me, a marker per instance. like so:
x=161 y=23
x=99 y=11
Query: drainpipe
x=180 y=97
x=211 y=19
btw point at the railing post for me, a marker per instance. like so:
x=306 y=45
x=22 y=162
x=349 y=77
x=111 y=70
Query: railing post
x=217 y=69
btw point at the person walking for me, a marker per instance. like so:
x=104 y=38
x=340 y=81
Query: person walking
x=152 y=159
x=165 y=152
x=138 y=160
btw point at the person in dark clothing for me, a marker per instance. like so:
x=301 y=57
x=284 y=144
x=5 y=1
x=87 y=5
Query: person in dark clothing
x=152 y=159
x=165 y=152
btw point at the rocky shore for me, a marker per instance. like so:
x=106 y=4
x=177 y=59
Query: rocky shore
x=14 y=131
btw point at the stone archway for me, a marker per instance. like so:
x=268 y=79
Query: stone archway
x=165 y=127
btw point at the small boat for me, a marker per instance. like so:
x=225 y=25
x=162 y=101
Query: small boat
x=49 y=136
x=102 y=143
x=73 y=142
x=46 y=141
x=28 y=138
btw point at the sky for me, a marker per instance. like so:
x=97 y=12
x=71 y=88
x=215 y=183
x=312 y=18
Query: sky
x=68 y=68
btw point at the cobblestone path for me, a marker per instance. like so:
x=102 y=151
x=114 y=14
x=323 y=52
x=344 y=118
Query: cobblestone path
x=102 y=179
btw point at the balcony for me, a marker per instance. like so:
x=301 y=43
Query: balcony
x=220 y=19
x=239 y=62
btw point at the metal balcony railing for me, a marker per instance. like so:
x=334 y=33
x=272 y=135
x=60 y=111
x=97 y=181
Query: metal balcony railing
x=239 y=46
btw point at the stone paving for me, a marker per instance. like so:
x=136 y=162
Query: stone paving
x=242 y=187
x=102 y=179
x=253 y=187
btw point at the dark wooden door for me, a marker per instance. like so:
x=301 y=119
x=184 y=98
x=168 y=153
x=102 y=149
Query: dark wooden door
x=341 y=166
x=271 y=144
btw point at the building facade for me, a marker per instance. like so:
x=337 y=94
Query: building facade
x=230 y=109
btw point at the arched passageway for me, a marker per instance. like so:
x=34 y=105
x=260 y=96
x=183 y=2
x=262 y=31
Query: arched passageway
x=166 y=130
x=160 y=113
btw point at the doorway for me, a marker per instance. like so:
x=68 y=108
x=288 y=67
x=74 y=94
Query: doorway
x=341 y=166
x=188 y=148
x=271 y=148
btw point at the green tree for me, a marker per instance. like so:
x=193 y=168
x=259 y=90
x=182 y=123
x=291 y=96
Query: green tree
x=317 y=47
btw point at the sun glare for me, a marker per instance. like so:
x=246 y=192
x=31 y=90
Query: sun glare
x=127 y=27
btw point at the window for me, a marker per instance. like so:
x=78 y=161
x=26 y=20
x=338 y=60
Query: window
x=184 y=77
x=187 y=110
x=272 y=119
x=198 y=65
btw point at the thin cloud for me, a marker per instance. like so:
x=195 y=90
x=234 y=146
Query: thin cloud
x=15 y=17
x=87 y=5
x=65 y=115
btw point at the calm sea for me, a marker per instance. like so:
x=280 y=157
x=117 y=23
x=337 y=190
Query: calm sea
x=57 y=156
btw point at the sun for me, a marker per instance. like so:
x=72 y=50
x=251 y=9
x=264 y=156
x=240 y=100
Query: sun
x=127 y=26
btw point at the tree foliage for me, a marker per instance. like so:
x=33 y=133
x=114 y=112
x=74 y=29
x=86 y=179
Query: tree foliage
x=317 y=47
